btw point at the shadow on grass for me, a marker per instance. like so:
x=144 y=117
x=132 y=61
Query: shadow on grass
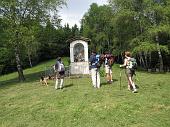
x=137 y=86
x=106 y=83
x=29 y=78
x=70 y=85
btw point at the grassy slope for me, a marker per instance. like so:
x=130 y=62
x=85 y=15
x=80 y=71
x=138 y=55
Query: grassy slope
x=79 y=105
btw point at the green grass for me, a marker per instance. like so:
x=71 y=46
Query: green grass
x=30 y=104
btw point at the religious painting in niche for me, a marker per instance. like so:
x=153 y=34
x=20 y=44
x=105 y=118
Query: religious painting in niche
x=79 y=53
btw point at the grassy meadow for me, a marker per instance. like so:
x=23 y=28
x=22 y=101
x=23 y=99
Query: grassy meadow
x=30 y=104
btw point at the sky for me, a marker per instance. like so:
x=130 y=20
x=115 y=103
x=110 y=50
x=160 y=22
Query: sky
x=75 y=9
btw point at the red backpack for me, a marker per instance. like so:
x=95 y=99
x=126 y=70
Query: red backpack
x=110 y=59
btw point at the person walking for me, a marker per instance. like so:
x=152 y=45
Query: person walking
x=129 y=72
x=60 y=72
x=95 y=66
x=108 y=62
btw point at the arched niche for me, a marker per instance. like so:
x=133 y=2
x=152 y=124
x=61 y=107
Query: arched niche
x=79 y=51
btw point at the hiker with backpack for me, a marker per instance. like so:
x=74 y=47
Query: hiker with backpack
x=130 y=66
x=95 y=66
x=108 y=63
x=60 y=72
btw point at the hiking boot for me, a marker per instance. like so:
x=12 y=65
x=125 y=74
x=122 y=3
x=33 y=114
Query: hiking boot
x=135 y=91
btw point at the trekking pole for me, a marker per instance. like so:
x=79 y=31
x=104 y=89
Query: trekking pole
x=136 y=78
x=96 y=77
x=120 y=76
x=109 y=75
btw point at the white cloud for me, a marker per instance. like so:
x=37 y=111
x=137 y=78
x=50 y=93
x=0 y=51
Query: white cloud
x=75 y=10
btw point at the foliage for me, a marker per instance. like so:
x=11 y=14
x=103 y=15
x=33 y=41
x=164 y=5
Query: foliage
x=21 y=17
x=96 y=25
x=138 y=23
x=33 y=29
x=148 y=47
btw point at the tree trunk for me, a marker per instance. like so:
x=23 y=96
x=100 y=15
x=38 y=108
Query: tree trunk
x=146 y=60
x=18 y=61
x=150 y=60
x=142 y=60
x=160 y=57
x=159 y=54
x=138 y=57
x=30 y=61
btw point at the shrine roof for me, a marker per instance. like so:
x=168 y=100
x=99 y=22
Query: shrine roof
x=78 y=38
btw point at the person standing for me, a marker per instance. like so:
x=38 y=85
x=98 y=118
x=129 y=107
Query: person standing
x=108 y=62
x=129 y=72
x=95 y=66
x=60 y=71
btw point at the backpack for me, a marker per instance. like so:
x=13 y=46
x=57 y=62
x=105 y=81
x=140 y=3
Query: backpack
x=97 y=61
x=109 y=59
x=59 y=66
x=132 y=64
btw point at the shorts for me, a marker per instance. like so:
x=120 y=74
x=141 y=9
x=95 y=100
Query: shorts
x=60 y=74
x=129 y=72
x=108 y=69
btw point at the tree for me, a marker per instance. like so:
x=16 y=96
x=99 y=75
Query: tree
x=138 y=25
x=30 y=43
x=159 y=21
x=96 y=25
x=75 y=31
x=18 y=13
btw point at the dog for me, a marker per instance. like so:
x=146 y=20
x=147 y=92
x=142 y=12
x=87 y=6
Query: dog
x=44 y=80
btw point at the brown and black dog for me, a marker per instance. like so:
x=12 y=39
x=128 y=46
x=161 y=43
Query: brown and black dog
x=44 y=80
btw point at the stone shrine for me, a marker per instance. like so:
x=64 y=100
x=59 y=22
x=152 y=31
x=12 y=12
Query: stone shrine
x=79 y=63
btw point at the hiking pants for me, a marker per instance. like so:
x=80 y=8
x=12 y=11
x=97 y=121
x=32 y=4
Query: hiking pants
x=59 y=83
x=95 y=75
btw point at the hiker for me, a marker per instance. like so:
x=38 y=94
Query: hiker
x=60 y=71
x=95 y=66
x=108 y=63
x=129 y=71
